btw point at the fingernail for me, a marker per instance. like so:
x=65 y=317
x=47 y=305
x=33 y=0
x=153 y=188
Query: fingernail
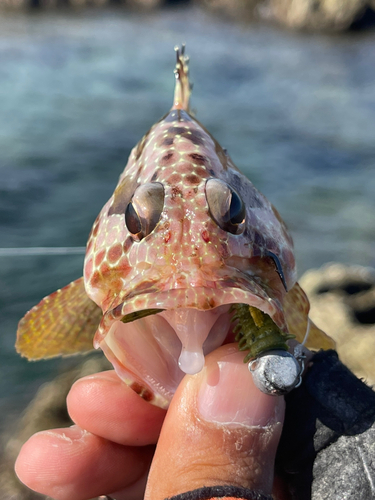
x=227 y=395
x=67 y=434
x=107 y=375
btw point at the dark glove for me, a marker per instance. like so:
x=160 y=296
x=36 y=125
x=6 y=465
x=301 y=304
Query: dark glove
x=327 y=449
x=221 y=492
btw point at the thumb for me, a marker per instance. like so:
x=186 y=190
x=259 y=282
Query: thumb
x=219 y=430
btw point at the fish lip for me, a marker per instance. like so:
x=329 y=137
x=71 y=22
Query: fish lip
x=227 y=291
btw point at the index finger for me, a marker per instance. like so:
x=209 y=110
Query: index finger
x=105 y=406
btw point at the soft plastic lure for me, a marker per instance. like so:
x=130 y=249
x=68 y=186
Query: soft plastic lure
x=184 y=237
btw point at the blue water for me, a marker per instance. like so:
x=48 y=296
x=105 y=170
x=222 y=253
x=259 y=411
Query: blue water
x=296 y=112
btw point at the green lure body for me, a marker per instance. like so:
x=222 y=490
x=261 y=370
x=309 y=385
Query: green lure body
x=256 y=332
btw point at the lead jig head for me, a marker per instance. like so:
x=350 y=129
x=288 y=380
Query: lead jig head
x=277 y=372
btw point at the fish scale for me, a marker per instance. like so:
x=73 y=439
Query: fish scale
x=184 y=237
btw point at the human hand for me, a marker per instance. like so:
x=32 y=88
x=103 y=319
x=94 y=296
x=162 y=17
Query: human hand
x=219 y=430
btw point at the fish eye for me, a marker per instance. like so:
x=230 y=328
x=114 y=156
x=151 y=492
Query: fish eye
x=225 y=206
x=236 y=209
x=144 y=210
x=132 y=220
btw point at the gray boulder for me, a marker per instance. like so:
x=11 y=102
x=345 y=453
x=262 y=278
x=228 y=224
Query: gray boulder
x=343 y=305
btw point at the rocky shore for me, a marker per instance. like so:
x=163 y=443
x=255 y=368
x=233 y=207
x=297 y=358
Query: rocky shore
x=309 y=15
x=342 y=304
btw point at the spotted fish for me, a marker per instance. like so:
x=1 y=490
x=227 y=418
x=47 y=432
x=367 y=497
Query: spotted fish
x=184 y=237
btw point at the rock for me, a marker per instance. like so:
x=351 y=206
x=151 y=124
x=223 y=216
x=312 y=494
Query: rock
x=316 y=15
x=240 y=9
x=312 y=15
x=343 y=305
x=46 y=410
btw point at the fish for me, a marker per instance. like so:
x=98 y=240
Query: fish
x=183 y=241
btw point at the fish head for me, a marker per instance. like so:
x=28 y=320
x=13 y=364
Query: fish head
x=183 y=237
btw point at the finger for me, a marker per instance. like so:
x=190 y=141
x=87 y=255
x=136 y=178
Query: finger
x=220 y=429
x=72 y=464
x=107 y=407
x=135 y=491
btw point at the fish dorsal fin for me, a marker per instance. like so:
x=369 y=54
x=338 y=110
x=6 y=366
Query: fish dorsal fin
x=61 y=324
x=183 y=87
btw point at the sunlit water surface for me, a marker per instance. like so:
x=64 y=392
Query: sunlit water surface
x=296 y=113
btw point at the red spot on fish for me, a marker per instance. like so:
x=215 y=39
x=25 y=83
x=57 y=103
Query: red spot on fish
x=136 y=387
x=95 y=279
x=117 y=312
x=89 y=244
x=145 y=393
x=104 y=269
x=167 y=237
x=123 y=267
x=127 y=244
x=174 y=179
x=95 y=229
x=201 y=172
x=205 y=236
x=115 y=253
x=99 y=258
x=176 y=191
x=88 y=269
x=193 y=179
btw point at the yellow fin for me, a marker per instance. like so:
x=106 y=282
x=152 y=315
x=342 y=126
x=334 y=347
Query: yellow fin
x=257 y=315
x=61 y=324
x=296 y=308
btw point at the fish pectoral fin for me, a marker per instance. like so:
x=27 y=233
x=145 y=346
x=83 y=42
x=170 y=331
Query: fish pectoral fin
x=296 y=307
x=63 y=323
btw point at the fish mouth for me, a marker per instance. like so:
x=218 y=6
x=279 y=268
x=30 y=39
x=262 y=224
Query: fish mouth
x=154 y=339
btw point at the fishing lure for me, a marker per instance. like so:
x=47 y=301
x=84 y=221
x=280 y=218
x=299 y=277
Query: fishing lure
x=185 y=255
x=275 y=371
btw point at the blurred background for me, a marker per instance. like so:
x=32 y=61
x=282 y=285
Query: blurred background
x=290 y=92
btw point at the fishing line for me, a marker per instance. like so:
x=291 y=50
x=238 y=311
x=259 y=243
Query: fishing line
x=307 y=331
x=41 y=251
